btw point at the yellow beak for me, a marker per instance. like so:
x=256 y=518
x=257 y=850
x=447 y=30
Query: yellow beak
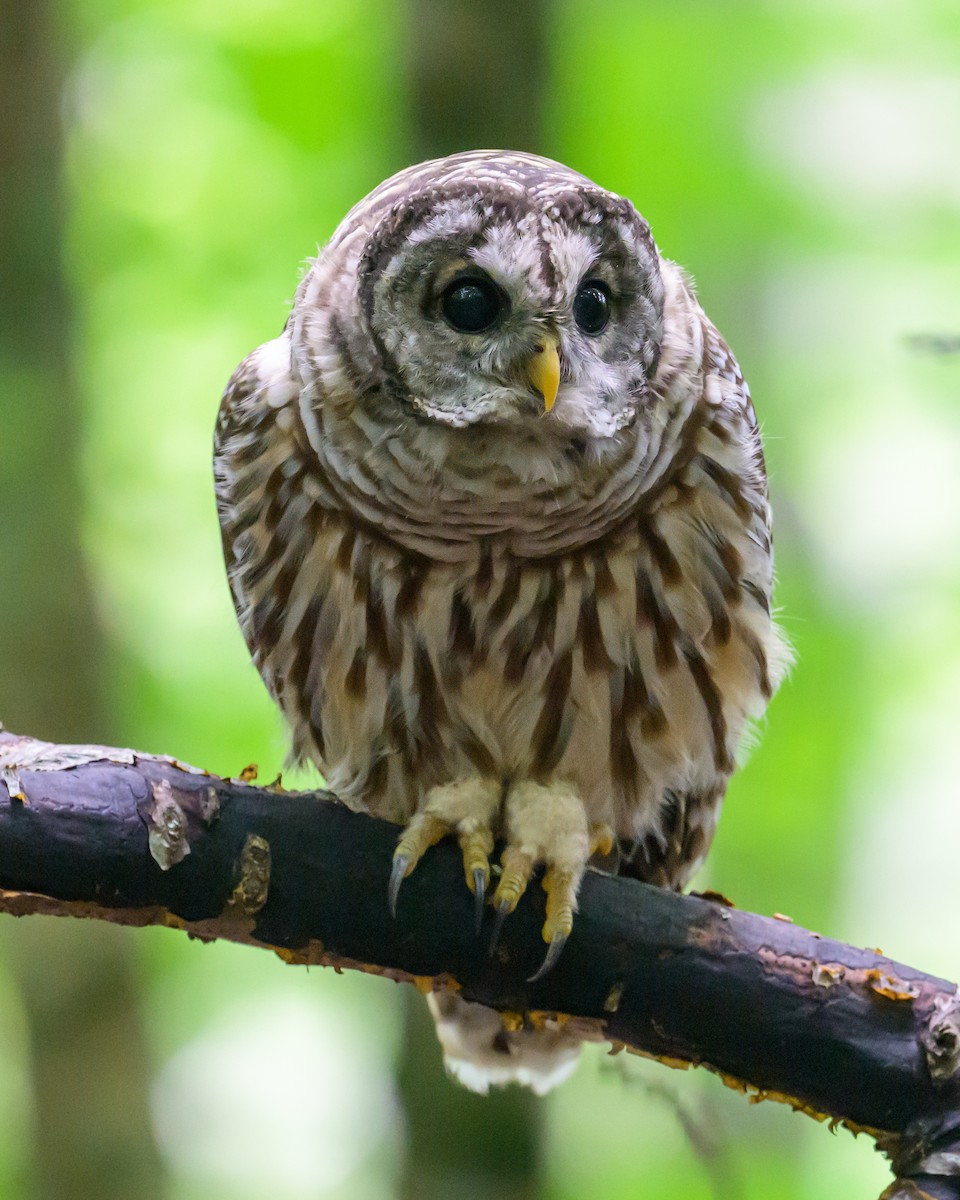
x=543 y=370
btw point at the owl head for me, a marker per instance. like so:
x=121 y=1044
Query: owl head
x=490 y=289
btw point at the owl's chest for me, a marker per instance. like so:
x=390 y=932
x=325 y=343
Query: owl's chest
x=601 y=665
x=546 y=651
x=492 y=628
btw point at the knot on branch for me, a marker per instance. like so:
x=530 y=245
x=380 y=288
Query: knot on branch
x=171 y=814
x=250 y=894
x=941 y=1038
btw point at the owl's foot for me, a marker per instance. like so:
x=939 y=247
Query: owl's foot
x=547 y=824
x=467 y=808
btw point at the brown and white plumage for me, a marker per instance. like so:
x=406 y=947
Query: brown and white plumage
x=480 y=616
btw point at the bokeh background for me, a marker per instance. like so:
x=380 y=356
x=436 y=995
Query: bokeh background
x=165 y=168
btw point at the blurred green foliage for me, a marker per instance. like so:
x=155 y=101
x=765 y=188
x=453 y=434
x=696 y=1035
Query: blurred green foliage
x=801 y=159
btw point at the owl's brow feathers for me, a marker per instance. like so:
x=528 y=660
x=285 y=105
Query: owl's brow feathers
x=491 y=207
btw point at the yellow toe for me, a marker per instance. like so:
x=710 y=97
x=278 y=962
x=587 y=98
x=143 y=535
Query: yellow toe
x=517 y=867
x=476 y=842
x=422 y=832
x=561 y=904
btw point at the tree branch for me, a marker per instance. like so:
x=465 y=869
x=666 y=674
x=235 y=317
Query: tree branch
x=778 y=1012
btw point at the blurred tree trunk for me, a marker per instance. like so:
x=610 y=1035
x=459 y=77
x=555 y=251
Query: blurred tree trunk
x=475 y=76
x=89 y=1060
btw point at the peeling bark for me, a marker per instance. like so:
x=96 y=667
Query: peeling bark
x=845 y=1035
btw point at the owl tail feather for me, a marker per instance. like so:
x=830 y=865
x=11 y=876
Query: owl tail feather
x=479 y=1052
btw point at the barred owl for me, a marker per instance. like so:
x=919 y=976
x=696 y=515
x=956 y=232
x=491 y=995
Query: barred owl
x=495 y=520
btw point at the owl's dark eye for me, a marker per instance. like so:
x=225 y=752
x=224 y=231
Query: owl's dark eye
x=471 y=305
x=591 y=307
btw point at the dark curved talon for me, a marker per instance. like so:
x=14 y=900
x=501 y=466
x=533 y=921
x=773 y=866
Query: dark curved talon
x=397 y=875
x=553 y=955
x=479 y=893
x=503 y=911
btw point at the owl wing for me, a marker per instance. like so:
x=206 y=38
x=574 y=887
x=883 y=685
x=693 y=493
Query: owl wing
x=726 y=465
x=251 y=450
x=671 y=855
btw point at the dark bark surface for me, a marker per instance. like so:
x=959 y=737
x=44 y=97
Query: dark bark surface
x=779 y=1011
